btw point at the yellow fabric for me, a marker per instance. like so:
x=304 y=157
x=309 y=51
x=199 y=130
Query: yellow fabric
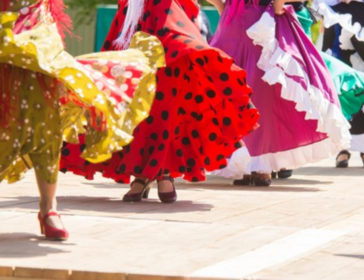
x=37 y=62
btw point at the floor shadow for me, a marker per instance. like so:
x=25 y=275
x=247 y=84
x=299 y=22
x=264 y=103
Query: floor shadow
x=24 y=245
x=350 y=256
x=329 y=171
x=109 y=205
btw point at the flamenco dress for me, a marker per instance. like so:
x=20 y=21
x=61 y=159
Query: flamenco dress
x=349 y=84
x=301 y=120
x=201 y=110
x=344 y=33
x=47 y=96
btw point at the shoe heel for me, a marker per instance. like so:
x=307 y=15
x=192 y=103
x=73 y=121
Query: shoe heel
x=146 y=192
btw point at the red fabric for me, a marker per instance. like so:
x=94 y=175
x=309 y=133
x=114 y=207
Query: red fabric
x=63 y=21
x=201 y=110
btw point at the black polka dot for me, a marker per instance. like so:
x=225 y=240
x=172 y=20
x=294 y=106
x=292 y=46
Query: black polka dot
x=227 y=91
x=181 y=111
x=191 y=162
x=159 y=95
x=107 y=45
x=176 y=131
x=177 y=71
x=164 y=115
x=168 y=71
x=149 y=120
x=151 y=150
x=153 y=162
x=226 y=121
x=174 y=54
x=238 y=145
x=82 y=147
x=194 y=179
x=179 y=153
x=199 y=47
x=224 y=77
x=168 y=11
x=126 y=149
x=138 y=170
x=222 y=166
x=122 y=168
x=210 y=93
x=154 y=136
x=195 y=133
x=65 y=152
x=219 y=157
x=188 y=95
x=163 y=31
x=199 y=99
x=161 y=147
x=212 y=136
x=207 y=161
x=200 y=61
x=182 y=169
x=165 y=134
x=215 y=121
x=141 y=151
x=146 y=15
x=185 y=141
x=174 y=91
x=156 y=2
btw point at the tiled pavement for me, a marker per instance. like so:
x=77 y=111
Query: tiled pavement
x=307 y=227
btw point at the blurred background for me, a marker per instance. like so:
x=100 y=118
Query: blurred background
x=92 y=18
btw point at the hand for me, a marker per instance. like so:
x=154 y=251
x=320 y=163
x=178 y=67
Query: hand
x=278 y=6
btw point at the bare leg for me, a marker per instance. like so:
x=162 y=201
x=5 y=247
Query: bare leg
x=47 y=201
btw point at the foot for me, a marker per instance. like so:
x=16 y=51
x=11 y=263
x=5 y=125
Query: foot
x=342 y=159
x=262 y=179
x=166 y=189
x=52 y=227
x=139 y=189
x=246 y=181
x=165 y=186
x=284 y=173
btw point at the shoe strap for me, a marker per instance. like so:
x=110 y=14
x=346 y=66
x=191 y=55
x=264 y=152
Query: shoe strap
x=139 y=181
x=167 y=178
x=344 y=152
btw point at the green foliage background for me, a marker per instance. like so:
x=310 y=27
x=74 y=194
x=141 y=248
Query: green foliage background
x=86 y=8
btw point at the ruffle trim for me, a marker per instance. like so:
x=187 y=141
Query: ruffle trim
x=41 y=50
x=275 y=161
x=344 y=20
x=357 y=143
x=280 y=68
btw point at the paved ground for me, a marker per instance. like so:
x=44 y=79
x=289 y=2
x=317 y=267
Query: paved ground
x=307 y=227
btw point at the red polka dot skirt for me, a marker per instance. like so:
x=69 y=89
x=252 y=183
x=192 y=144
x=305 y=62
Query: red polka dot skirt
x=201 y=110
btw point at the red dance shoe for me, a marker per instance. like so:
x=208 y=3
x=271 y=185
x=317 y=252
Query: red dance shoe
x=50 y=232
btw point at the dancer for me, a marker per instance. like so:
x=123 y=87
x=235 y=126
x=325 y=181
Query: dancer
x=201 y=111
x=46 y=95
x=301 y=120
x=349 y=84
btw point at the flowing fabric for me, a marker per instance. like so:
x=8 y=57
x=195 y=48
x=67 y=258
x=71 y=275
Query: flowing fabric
x=202 y=107
x=301 y=119
x=46 y=95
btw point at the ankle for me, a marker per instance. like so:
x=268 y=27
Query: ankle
x=47 y=206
